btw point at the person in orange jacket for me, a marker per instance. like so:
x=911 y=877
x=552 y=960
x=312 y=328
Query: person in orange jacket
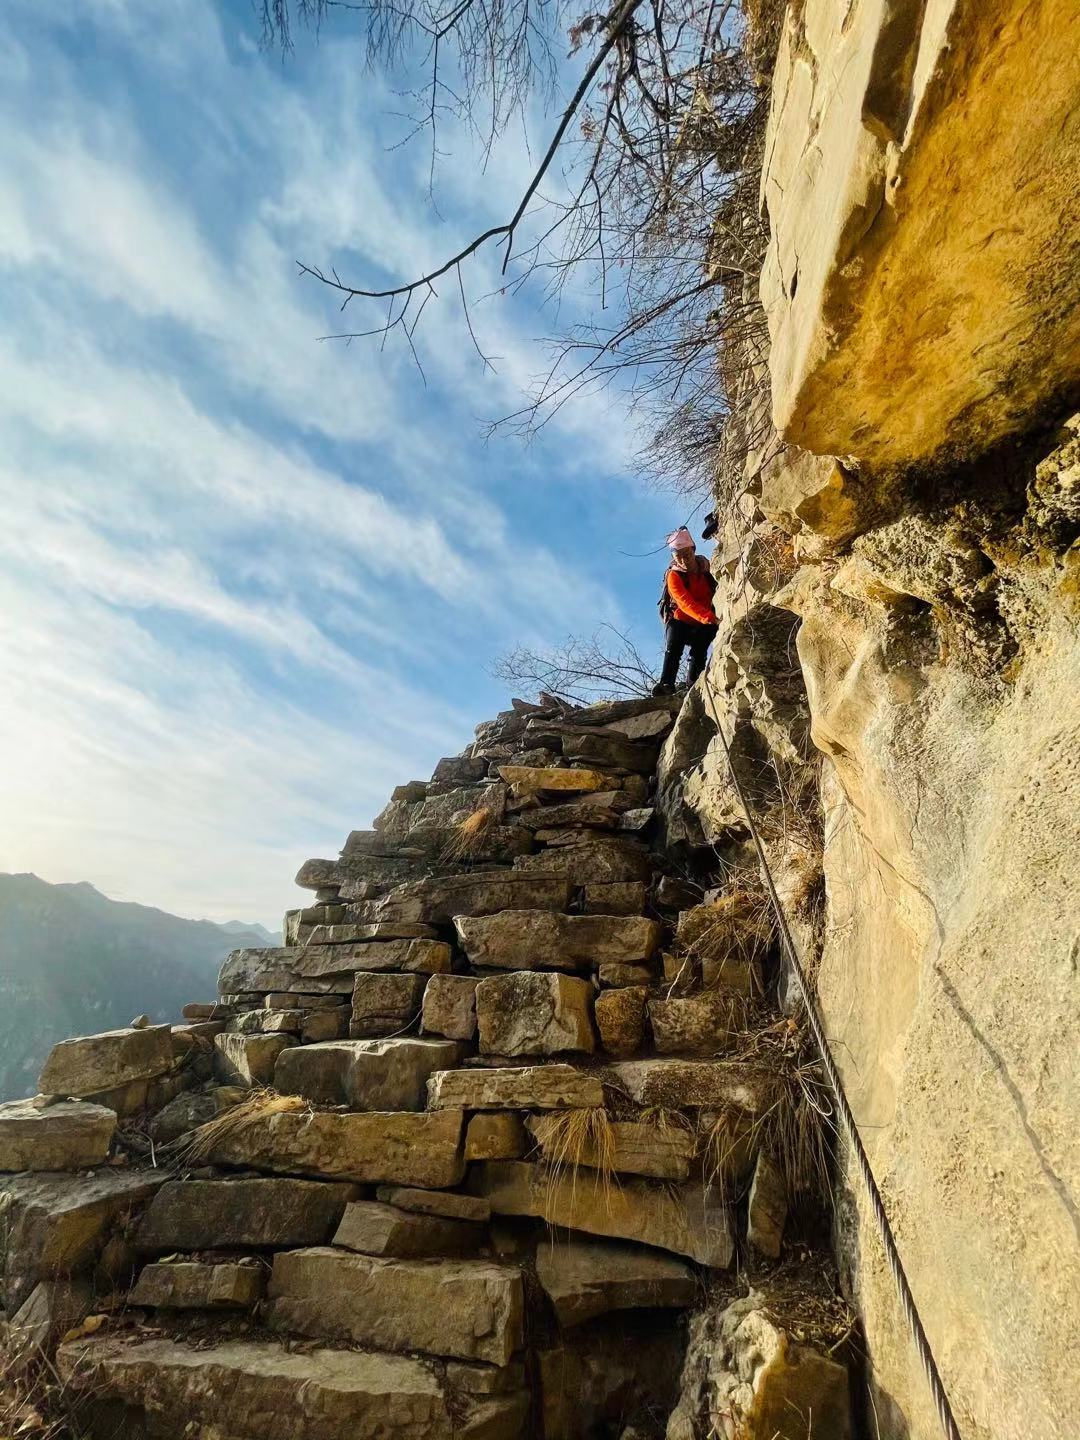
x=686 y=609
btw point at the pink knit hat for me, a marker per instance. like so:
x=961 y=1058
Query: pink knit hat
x=680 y=539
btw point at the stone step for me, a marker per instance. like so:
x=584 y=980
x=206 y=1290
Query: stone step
x=468 y=1309
x=537 y=939
x=371 y=1147
x=67 y=1136
x=259 y=1390
x=534 y=1087
x=380 y=1075
x=586 y=1278
x=235 y=1214
x=328 y=968
x=373 y=1228
x=687 y=1219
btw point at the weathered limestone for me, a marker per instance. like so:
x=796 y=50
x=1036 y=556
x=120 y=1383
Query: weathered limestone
x=684 y=1219
x=385 y=1004
x=696 y=1025
x=537 y=1087
x=586 y=1278
x=330 y=967
x=199 y=1285
x=620 y=1019
x=869 y=251
x=221 y=1214
x=527 y=780
x=767 y=1207
x=601 y=860
x=91 y=1064
x=535 y=939
x=634 y=1147
x=54 y=1224
x=248 y=1059
x=450 y=1006
x=693 y=1083
x=370 y=1147
x=67 y=1136
x=259 y=1390
x=497 y=1135
x=390 y=1074
x=534 y=1013
x=465 y=1308
x=373 y=1228
x=438 y=900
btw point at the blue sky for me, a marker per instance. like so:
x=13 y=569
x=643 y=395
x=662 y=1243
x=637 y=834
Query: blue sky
x=249 y=582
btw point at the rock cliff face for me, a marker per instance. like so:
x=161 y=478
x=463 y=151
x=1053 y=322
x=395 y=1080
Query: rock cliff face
x=901 y=679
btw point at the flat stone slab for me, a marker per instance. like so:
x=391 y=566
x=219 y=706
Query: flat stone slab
x=329 y=968
x=636 y=1148
x=199 y=1285
x=469 y=1309
x=586 y=1278
x=535 y=1087
x=683 y=1219
x=68 y=1136
x=693 y=1084
x=370 y=1147
x=591 y=861
x=227 y=1214
x=259 y=1390
x=436 y=1202
x=389 y=1074
x=437 y=900
x=538 y=940
x=530 y=780
x=248 y=1059
x=54 y=1224
x=89 y=1064
x=534 y=1013
x=372 y=1228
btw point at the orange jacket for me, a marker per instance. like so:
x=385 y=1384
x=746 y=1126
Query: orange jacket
x=691 y=594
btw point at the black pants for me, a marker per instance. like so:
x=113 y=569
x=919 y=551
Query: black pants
x=678 y=635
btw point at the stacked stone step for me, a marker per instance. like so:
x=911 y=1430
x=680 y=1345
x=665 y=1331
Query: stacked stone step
x=475 y=970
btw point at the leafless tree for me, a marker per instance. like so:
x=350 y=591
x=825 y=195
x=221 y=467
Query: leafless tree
x=645 y=194
x=604 y=666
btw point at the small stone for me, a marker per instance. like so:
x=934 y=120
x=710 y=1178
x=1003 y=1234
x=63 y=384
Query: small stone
x=198 y=1285
x=385 y=1004
x=496 y=1136
x=140 y=1022
x=620 y=1019
x=450 y=1006
x=534 y=1013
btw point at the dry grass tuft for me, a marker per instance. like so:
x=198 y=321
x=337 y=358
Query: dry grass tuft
x=469 y=836
x=576 y=1139
x=207 y=1138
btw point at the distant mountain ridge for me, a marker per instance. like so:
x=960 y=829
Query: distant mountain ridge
x=73 y=961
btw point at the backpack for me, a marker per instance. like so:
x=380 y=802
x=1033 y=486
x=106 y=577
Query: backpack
x=666 y=605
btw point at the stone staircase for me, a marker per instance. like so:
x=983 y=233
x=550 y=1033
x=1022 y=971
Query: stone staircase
x=445 y=1163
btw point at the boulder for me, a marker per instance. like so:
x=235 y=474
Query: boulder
x=450 y=1006
x=390 y=1074
x=586 y=1278
x=697 y=1025
x=470 y=1309
x=498 y=1135
x=248 y=1059
x=690 y=1084
x=632 y=1148
x=199 y=1285
x=451 y=1206
x=685 y=1219
x=372 y=1228
x=537 y=939
x=260 y=1390
x=767 y=1207
x=385 y=1004
x=534 y=1013
x=90 y=1064
x=330 y=967
x=596 y=860
x=54 y=1224
x=528 y=780
x=68 y=1136
x=625 y=897
x=620 y=1019
x=227 y=1214
x=369 y=1147
x=536 y=1087
x=438 y=900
